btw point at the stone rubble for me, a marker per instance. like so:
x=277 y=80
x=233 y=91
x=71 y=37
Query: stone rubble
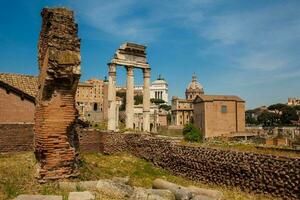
x=118 y=187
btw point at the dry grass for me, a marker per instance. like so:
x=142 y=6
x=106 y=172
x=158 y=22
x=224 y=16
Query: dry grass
x=17 y=175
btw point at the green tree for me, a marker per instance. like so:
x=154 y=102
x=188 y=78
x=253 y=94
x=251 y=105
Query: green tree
x=165 y=107
x=267 y=118
x=249 y=118
x=297 y=107
x=192 y=133
x=289 y=115
x=157 y=101
x=138 y=99
x=123 y=96
x=279 y=107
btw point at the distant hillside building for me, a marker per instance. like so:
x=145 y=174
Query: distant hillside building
x=17 y=98
x=293 y=101
x=183 y=109
x=219 y=115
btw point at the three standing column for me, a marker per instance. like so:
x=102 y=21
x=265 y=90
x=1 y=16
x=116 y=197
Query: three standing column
x=130 y=98
x=112 y=97
x=146 y=100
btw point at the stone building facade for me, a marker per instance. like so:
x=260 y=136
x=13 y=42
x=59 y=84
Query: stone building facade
x=219 y=115
x=159 y=89
x=182 y=109
x=17 y=98
x=90 y=100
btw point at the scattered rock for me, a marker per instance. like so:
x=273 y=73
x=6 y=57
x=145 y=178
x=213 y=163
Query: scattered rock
x=214 y=194
x=188 y=193
x=151 y=194
x=114 y=188
x=38 y=197
x=81 y=196
x=82 y=185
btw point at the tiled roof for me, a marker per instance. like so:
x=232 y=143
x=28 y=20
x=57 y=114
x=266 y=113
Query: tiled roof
x=24 y=83
x=219 y=98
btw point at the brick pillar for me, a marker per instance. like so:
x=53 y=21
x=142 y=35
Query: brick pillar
x=59 y=60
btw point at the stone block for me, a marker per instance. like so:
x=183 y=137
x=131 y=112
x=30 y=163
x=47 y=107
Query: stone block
x=86 y=195
x=151 y=194
x=38 y=197
x=118 y=189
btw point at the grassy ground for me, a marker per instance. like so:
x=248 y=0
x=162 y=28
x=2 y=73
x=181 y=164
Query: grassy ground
x=17 y=175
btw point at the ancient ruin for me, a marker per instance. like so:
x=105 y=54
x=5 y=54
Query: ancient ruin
x=131 y=56
x=55 y=115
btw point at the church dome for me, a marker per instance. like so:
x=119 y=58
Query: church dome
x=194 y=89
x=195 y=85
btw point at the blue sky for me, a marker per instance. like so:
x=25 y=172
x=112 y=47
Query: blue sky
x=240 y=47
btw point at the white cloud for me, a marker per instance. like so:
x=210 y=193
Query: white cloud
x=140 y=20
x=264 y=39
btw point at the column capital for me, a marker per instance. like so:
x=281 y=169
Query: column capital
x=129 y=70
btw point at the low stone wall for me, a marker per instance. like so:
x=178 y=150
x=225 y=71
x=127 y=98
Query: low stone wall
x=279 y=176
x=89 y=140
x=16 y=137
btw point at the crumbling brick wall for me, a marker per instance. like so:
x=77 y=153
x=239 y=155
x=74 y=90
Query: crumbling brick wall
x=260 y=173
x=55 y=116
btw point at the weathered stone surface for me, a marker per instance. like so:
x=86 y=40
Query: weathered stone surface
x=56 y=140
x=113 y=188
x=151 y=194
x=38 y=197
x=83 y=185
x=212 y=194
x=86 y=195
x=124 y=180
x=259 y=173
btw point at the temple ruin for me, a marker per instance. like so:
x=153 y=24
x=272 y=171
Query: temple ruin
x=131 y=56
x=59 y=60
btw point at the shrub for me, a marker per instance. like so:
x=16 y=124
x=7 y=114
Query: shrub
x=192 y=134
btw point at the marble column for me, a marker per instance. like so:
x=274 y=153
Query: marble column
x=146 y=100
x=112 y=97
x=117 y=115
x=129 y=98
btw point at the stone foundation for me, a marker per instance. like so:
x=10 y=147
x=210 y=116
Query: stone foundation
x=259 y=173
x=59 y=63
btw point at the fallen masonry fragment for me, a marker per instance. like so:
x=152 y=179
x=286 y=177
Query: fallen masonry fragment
x=59 y=60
